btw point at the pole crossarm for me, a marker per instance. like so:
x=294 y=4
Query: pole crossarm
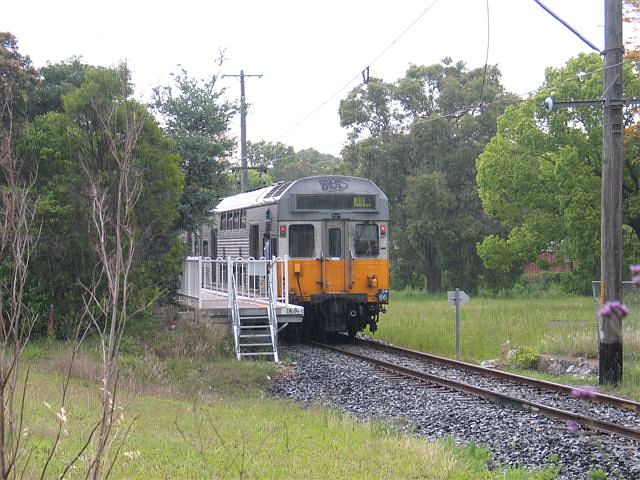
x=549 y=104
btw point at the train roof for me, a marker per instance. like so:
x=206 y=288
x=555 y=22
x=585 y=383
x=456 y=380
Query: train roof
x=321 y=184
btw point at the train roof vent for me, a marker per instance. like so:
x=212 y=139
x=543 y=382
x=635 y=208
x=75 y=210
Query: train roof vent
x=278 y=189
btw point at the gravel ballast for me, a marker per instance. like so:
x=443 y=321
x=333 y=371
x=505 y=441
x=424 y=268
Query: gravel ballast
x=514 y=437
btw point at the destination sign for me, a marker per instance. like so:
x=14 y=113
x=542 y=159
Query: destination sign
x=335 y=202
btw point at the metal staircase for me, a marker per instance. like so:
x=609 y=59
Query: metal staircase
x=255 y=332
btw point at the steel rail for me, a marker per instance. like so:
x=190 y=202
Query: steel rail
x=533 y=382
x=552 y=412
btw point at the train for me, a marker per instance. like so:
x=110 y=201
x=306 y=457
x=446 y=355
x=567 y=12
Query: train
x=334 y=229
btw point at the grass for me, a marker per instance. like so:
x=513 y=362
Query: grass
x=558 y=325
x=245 y=438
x=196 y=413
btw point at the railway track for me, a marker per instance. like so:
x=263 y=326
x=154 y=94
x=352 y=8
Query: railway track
x=599 y=412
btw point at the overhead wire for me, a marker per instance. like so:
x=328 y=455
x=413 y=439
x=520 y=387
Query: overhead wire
x=454 y=113
x=486 y=59
x=357 y=76
x=519 y=96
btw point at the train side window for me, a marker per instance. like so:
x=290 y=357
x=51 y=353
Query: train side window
x=335 y=243
x=301 y=241
x=367 y=244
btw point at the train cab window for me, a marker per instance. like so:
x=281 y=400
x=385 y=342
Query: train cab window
x=301 y=241
x=367 y=244
x=335 y=242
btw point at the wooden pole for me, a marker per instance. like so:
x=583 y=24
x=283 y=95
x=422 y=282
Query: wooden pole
x=610 y=328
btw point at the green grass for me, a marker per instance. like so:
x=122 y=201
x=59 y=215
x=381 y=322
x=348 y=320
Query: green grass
x=196 y=413
x=558 y=325
x=243 y=438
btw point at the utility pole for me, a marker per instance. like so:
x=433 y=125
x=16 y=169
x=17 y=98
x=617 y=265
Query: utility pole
x=243 y=131
x=610 y=328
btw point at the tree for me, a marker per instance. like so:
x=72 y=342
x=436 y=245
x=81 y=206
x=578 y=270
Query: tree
x=283 y=163
x=540 y=174
x=19 y=232
x=197 y=118
x=57 y=80
x=17 y=80
x=57 y=146
x=428 y=129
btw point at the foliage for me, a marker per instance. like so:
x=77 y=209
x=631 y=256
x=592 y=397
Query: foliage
x=418 y=139
x=19 y=233
x=282 y=163
x=58 y=79
x=56 y=145
x=527 y=357
x=197 y=119
x=540 y=174
x=17 y=80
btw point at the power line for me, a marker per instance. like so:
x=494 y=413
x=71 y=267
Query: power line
x=486 y=59
x=496 y=102
x=356 y=77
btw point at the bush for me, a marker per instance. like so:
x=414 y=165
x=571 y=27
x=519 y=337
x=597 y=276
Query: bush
x=527 y=358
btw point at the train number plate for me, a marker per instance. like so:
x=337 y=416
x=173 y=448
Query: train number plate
x=383 y=295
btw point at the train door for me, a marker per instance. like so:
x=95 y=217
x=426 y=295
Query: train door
x=334 y=249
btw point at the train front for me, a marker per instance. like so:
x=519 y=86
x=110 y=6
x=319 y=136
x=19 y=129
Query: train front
x=335 y=231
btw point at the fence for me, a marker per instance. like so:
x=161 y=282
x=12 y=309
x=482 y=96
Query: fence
x=630 y=323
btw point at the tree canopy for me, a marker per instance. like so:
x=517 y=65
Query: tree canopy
x=63 y=149
x=540 y=174
x=197 y=117
x=418 y=139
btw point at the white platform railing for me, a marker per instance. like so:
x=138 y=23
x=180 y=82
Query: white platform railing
x=205 y=278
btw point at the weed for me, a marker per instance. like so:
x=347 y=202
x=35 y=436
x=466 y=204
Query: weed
x=527 y=357
x=597 y=474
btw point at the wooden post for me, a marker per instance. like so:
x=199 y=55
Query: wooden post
x=610 y=329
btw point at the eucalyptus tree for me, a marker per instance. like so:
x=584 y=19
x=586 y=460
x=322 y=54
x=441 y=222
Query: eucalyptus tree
x=419 y=138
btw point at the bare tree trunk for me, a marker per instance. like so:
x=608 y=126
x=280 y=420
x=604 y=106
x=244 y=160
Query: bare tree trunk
x=113 y=237
x=18 y=236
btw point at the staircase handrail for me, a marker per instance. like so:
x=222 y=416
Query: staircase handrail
x=272 y=294
x=235 y=309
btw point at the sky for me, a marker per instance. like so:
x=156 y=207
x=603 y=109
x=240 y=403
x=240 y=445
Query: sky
x=310 y=54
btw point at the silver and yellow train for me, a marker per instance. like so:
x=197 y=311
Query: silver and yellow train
x=334 y=230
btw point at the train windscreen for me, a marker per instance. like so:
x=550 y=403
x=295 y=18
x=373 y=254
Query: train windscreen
x=366 y=241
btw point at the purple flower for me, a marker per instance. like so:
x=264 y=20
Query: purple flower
x=635 y=269
x=572 y=426
x=616 y=308
x=584 y=392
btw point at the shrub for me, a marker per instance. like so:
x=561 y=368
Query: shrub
x=527 y=357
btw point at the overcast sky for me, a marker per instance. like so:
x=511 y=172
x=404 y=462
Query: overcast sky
x=309 y=53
